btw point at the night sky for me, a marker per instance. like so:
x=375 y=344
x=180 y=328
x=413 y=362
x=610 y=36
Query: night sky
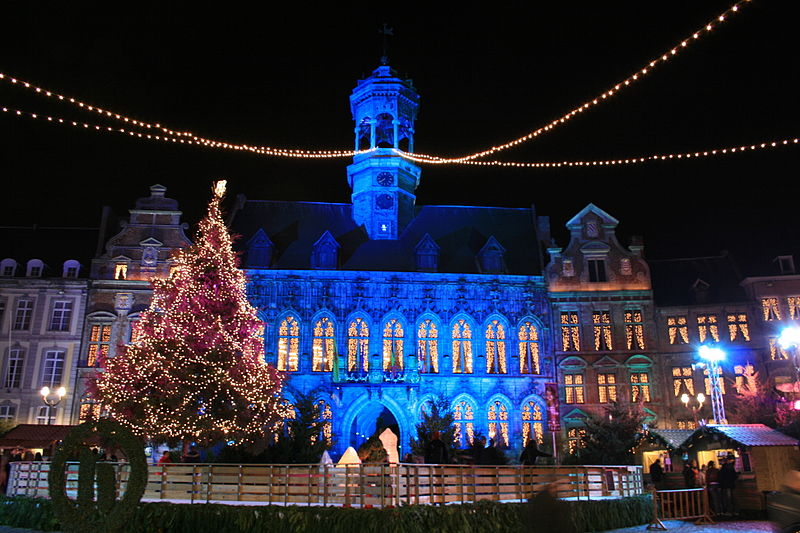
x=487 y=72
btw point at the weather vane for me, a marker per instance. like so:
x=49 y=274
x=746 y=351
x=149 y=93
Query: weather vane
x=385 y=31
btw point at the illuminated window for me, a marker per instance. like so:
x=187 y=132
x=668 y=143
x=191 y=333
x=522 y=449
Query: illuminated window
x=35 y=268
x=745 y=378
x=393 y=345
x=323 y=346
x=498 y=422
x=53 y=370
x=289 y=413
x=770 y=309
x=625 y=267
x=775 y=350
x=462 y=347
x=61 y=317
x=570 y=332
x=794 y=307
x=574 y=391
x=678 y=330
x=737 y=326
x=597 y=270
x=640 y=386
x=288 y=344
x=464 y=423
x=682 y=380
x=121 y=271
x=326 y=418
x=528 y=349
x=634 y=329
x=686 y=424
x=22 y=318
x=720 y=381
x=602 y=330
x=708 y=327
x=428 y=347
x=13 y=376
x=607 y=387
x=575 y=438
x=135 y=332
x=532 y=423
x=89 y=409
x=495 y=348
x=358 y=346
x=99 y=342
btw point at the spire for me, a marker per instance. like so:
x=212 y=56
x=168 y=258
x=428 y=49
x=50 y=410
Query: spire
x=386 y=32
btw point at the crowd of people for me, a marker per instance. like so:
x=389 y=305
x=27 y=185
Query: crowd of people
x=720 y=482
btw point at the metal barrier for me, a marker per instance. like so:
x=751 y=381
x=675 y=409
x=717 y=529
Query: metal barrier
x=356 y=485
x=680 y=504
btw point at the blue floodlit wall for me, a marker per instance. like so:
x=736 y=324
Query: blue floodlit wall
x=356 y=399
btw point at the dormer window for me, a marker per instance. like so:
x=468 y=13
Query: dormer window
x=325 y=254
x=71 y=269
x=567 y=268
x=427 y=254
x=259 y=250
x=8 y=267
x=121 y=271
x=597 y=270
x=35 y=268
x=490 y=258
x=785 y=264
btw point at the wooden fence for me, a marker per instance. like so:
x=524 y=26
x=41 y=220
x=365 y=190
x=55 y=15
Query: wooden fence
x=356 y=485
x=680 y=504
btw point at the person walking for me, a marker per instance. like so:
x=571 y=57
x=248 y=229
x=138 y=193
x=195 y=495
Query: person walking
x=435 y=450
x=727 y=483
x=657 y=474
x=530 y=453
x=548 y=514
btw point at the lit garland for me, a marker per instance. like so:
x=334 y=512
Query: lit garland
x=191 y=138
x=197 y=370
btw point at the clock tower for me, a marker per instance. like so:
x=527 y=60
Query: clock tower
x=384 y=109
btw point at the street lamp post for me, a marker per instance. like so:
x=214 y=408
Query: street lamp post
x=701 y=398
x=52 y=398
x=713 y=356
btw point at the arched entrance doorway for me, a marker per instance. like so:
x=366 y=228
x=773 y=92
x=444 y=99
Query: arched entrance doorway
x=372 y=417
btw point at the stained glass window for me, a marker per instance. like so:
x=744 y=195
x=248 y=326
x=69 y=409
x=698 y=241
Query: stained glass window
x=428 y=347
x=462 y=347
x=678 y=330
x=358 y=346
x=393 y=345
x=607 y=387
x=323 y=346
x=528 y=349
x=640 y=386
x=495 y=348
x=682 y=381
x=498 y=422
x=770 y=309
x=708 y=328
x=288 y=344
x=570 y=332
x=573 y=389
x=602 y=330
x=737 y=326
x=532 y=423
x=464 y=423
x=634 y=329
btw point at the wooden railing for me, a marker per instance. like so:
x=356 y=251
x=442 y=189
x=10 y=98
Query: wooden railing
x=357 y=485
x=680 y=504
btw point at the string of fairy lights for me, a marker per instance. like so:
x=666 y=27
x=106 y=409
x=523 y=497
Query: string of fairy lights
x=155 y=131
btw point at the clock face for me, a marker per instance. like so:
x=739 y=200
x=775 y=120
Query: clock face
x=385 y=179
x=384 y=201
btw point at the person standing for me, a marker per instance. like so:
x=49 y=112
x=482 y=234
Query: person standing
x=657 y=474
x=690 y=474
x=530 y=453
x=192 y=456
x=435 y=450
x=712 y=484
x=727 y=483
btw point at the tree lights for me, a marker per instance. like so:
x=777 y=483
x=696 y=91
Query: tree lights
x=197 y=370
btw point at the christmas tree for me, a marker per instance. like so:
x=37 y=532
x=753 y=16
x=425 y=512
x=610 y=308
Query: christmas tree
x=196 y=371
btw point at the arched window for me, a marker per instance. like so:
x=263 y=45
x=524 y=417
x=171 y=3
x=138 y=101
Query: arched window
x=495 y=347
x=358 y=345
x=498 y=422
x=323 y=347
x=528 y=349
x=288 y=344
x=289 y=413
x=532 y=423
x=462 y=347
x=428 y=347
x=393 y=345
x=326 y=418
x=464 y=423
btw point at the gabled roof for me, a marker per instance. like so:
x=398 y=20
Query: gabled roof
x=591 y=208
x=671 y=438
x=752 y=434
x=460 y=233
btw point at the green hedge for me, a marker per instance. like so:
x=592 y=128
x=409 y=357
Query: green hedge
x=483 y=517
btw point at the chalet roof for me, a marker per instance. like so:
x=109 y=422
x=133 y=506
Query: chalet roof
x=459 y=232
x=753 y=435
x=671 y=438
x=34 y=436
